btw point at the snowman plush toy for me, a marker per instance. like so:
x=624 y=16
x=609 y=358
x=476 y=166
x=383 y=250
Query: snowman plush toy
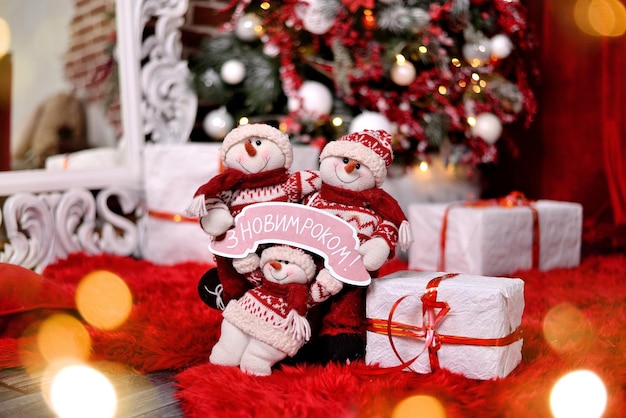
x=353 y=169
x=268 y=323
x=256 y=160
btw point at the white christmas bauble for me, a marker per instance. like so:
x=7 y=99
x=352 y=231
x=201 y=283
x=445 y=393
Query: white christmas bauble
x=501 y=46
x=313 y=17
x=217 y=123
x=249 y=27
x=233 y=71
x=477 y=54
x=488 y=127
x=370 y=120
x=403 y=74
x=314 y=100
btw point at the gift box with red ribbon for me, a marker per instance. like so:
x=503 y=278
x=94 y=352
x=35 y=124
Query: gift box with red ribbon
x=172 y=174
x=495 y=237
x=425 y=321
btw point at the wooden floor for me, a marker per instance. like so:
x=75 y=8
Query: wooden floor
x=138 y=395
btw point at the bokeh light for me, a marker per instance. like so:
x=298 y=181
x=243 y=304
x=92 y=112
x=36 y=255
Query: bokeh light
x=579 y=394
x=566 y=328
x=5 y=37
x=600 y=17
x=104 y=299
x=81 y=391
x=419 y=406
x=62 y=336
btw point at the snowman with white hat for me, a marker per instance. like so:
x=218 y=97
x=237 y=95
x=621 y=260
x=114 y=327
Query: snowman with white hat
x=256 y=159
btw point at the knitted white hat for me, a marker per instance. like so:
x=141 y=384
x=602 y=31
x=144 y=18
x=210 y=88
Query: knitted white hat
x=291 y=254
x=261 y=131
x=369 y=147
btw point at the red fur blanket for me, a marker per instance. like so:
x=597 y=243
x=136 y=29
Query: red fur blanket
x=170 y=328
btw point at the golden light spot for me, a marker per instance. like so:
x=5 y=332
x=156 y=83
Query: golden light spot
x=565 y=328
x=265 y=5
x=81 y=391
x=456 y=62
x=104 y=300
x=579 y=394
x=600 y=17
x=5 y=37
x=471 y=120
x=476 y=89
x=400 y=59
x=244 y=120
x=423 y=166
x=419 y=406
x=62 y=336
x=422 y=49
x=442 y=90
x=337 y=121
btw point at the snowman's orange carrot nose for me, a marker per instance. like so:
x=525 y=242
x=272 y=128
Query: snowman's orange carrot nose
x=275 y=265
x=350 y=166
x=249 y=148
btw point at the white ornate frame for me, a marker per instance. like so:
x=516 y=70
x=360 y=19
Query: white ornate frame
x=47 y=215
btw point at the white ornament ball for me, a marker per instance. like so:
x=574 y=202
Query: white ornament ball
x=249 y=27
x=403 y=74
x=313 y=17
x=314 y=100
x=370 y=120
x=477 y=54
x=501 y=46
x=233 y=72
x=217 y=123
x=488 y=127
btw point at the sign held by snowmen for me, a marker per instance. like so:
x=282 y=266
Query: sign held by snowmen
x=301 y=226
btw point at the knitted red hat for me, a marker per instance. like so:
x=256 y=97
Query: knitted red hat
x=260 y=131
x=369 y=147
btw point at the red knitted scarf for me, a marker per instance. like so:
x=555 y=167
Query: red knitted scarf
x=375 y=199
x=295 y=294
x=233 y=179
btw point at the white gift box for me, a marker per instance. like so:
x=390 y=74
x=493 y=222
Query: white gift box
x=495 y=240
x=172 y=174
x=481 y=309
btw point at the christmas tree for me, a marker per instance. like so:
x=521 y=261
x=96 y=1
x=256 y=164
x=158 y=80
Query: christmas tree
x=443 y=77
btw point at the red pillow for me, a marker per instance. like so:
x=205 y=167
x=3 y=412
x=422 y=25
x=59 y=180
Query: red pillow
x=23 y=291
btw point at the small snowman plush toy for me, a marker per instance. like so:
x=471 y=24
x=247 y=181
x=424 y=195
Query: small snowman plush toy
x=353 y=169
x=256 y=160
x=268 y=323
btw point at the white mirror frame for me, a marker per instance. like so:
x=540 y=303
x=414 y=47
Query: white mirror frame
x=47 y=215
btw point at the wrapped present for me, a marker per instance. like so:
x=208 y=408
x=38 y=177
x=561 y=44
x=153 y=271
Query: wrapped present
x=495 y=237
x=423 y=321
x=172 y=174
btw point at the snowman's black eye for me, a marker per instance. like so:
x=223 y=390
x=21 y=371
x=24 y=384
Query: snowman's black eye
x=284 y=261
x=258 y=142
x=346 y=160
x=357 y=166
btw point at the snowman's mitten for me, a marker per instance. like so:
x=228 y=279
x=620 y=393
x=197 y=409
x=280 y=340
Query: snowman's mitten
x=330 y=284
x=374 y=253
x=247 y=264
x=216 y=221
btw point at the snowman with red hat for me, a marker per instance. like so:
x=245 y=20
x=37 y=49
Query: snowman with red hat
x=256 y=159
x=353 y=169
